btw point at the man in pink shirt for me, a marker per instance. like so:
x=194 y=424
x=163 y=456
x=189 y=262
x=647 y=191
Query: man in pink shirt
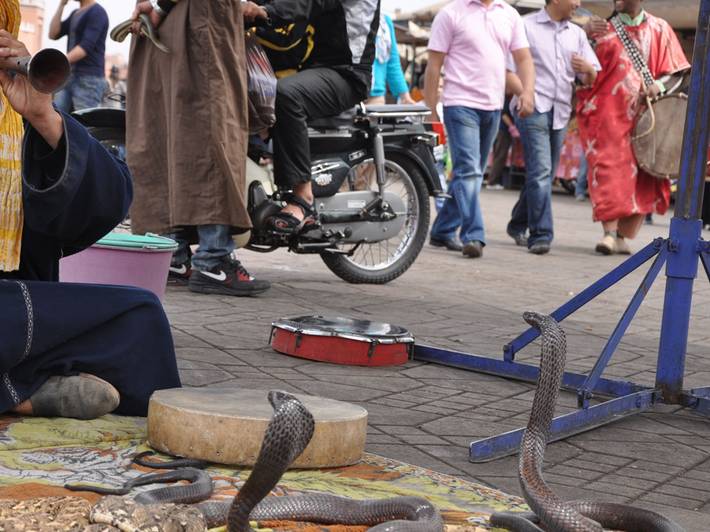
x=471 y=39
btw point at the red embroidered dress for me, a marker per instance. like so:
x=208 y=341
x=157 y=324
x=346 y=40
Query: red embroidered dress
x=606 y=114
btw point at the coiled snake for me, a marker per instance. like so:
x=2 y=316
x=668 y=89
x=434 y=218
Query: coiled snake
x=549 y=510
x=287 y=435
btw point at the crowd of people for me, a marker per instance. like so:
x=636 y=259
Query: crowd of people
x=602 y=72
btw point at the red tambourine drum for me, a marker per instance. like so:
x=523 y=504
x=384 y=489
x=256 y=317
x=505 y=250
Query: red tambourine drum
x=342 y=340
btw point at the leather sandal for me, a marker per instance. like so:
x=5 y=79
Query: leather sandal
x=80 y=396
x=286 y=223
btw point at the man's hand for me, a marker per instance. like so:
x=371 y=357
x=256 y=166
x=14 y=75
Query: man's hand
x=652 y=91
x=526 y=104
x=595 y=27
x=581 y=66
x=147 y=9
x=34 y=106
x=251 y=12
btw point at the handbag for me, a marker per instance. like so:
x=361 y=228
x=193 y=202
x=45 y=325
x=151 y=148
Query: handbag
x=657 y=138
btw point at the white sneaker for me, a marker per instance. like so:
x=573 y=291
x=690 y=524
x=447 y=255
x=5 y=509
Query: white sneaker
x=622 y=247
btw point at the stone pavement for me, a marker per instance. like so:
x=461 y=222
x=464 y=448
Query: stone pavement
x=426 y=414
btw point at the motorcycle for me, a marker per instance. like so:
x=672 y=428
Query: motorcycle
x=373 y=170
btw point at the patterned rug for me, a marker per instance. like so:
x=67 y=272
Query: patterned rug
x=38 y=456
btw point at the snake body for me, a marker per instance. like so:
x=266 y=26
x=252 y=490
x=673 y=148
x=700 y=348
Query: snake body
x=287 y=435
x=121 y=31
x=548 y=509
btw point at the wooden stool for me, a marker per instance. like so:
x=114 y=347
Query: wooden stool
x=227 y=425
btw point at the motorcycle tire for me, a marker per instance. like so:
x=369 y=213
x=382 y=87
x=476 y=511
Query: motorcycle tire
x=111 y=138
x=350 y=271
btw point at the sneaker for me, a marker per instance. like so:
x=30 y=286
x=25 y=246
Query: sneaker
x=179 y=275
x=607 y=245
x=473 y=250
x=80 y=396
x=622 y=247
x=495 y=187
x=580 y=197
x=540 y=248
x=520 y=238
x=229 y=278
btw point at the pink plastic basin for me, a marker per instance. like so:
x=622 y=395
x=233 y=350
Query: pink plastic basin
x=122 y=259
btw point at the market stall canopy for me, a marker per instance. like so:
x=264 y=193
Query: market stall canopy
x=681 y=14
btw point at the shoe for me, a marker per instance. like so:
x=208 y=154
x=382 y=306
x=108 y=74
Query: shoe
x=580 y=197
x=179 y=275
x=539 y=248
x=622 y=247
x=229 y=278
x=473 y=249
x=495 y=187
x=607 y=245
x=453 y=244
x=80 y=396
x=649 y=219
x=520 y=238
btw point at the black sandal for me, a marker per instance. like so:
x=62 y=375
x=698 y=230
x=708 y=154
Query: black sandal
x=286 y=223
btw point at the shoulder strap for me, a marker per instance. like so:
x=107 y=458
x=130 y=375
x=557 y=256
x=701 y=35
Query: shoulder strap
x=630 y=46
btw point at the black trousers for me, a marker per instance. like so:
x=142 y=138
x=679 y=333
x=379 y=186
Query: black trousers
x=309 y=94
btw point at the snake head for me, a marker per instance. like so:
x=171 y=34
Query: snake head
x=535 y=319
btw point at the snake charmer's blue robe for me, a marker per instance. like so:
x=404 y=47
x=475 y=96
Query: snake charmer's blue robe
x=72 y=197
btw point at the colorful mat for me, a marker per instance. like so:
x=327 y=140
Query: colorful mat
x=38 y=456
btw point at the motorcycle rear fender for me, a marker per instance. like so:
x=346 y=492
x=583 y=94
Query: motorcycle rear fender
x=422 y=156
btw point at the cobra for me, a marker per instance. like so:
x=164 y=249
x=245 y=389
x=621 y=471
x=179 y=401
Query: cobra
x=287 y=435
x=553 y=514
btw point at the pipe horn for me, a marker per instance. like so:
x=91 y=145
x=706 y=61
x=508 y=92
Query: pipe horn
x=47 y=71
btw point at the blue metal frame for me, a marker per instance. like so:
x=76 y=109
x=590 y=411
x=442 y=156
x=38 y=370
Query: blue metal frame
x=680 y=253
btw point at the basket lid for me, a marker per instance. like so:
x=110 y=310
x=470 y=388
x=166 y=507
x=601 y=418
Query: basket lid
x=147 y=242
x=361 y=330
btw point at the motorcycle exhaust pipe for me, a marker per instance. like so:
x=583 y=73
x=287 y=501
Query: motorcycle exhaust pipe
x=47 y=71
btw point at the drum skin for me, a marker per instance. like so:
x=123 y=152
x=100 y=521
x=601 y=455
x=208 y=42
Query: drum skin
x=657 y=138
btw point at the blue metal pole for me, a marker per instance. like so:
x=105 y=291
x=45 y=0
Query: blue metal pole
x=684 y=242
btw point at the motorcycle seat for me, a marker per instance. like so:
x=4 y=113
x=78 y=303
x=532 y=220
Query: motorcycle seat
x=342 y=121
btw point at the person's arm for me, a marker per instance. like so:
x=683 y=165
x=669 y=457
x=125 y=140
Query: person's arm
x=57 y=28
x=585 y=63
x=432 y=76
x=525 y=69
x=73 y=189
x=395 y=77
x=513 y=85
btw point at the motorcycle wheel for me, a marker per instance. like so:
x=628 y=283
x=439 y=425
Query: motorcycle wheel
x=111 y=138
x=381 y=262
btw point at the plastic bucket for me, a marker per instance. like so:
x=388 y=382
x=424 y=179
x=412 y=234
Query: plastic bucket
x=122 y=259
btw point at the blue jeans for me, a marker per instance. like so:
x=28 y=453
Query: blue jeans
x=581 y=188
x=471 y=133
x=81 y=92
x=541 y=147
x=215 y=243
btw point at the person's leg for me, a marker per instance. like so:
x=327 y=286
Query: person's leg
x=470 y=139
x=214 y=271
x=607 y=245
x=312 y=93
x=540 y=145
x=119 y=335
x=501 y=147
x=630 y=226
x=180 y=266
x=580 y=189
x=63 y=99
x=88 y=92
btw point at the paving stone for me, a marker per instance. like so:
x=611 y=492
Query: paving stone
x=665 y=450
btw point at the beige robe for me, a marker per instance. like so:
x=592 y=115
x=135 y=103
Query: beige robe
x=187 y=120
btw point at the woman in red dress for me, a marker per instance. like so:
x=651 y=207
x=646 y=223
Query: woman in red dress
x=621 y=193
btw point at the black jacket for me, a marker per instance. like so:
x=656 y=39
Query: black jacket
x=345 y=32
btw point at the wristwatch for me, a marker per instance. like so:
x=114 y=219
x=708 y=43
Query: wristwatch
x=159 y=10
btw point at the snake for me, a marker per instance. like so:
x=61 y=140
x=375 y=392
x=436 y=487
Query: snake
x=122 y=30
x=548 y=510
x=287 y=435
